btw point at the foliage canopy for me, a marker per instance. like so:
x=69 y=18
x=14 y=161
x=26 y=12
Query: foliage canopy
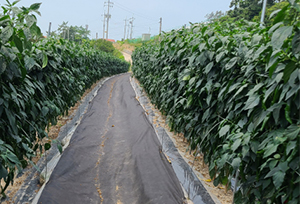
x=233 y=89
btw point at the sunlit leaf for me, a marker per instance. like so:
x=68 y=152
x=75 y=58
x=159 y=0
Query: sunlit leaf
x=280 y=35
x=224 y=130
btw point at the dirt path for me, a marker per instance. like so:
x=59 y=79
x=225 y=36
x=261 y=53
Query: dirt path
x=114 y=156
x=127 y=56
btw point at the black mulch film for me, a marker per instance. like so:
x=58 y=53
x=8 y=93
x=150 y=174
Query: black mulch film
x=114 y=156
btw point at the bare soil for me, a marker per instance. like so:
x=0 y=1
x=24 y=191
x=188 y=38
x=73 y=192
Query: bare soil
x=127 y=57
x=123 y=47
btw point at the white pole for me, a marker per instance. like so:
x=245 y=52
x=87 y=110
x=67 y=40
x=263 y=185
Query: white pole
x=263 y=13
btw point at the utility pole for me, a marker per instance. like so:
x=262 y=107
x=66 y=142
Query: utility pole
x=128 y=28
x=125 y=28
x=49 y=31
x=103 y=26
x=263 y=13
x=160 y=25
x=86 y=29
x=108 y=16
x=131 y=23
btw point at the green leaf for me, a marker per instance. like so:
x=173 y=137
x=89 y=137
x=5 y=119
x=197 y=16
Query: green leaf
x=236 y=163
x=186 y=78
x=190 y=101
x=259 y=52
x=208 y=67
x=290 y=146
x=30 y=20
x=231 y=63
x=11 y=118
x=254 y=146
x=277 y=156
x=287 y=114
x=220 y=56
x=268 y=92
x=35 y=6
x=252 y=101
x=278 y=179
x=271 y=173
x=224 y=130
x=293 y=131
x=273 y=62
x=205 y=115
x=274 y=13
x=6 y=33
x=281 y=15
x=245 y=151
x=270 y=149
x=59 y=147
x=274 y=27
x=288 y=70
x=256 y=39
x=236 y=144
x=273 y=163
x=296 y=43
x=2 y=65
x=280 y=35
x=45 y=60
x=255 y=89
x=201 y=59
x=45 y=110
x=292 y=92
x=12 y=157
x=266 y=183
x=29 y=62
x=47 y=146
x=18 y=43
x=3 y=172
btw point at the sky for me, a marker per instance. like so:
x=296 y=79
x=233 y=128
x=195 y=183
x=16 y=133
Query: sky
x=146 y=14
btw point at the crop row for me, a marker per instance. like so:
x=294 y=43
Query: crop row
x=40 y=80
x=233 y=90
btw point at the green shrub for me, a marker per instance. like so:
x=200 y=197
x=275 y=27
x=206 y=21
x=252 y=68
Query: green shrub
x=40 y=79
x=233 y=89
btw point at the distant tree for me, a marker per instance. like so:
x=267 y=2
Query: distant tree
x=103 y=45
x=269 y=11
x=213 y=16
x=63 y=30
x=73 y=33
x=52 y=34
x=106 y=46
x=248 y=9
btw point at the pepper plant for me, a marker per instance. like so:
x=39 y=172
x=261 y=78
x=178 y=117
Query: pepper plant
x=39 y=80
x=233 y=89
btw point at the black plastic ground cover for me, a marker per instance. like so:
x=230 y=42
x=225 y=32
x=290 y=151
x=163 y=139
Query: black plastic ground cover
x=188 y=179
x=114 y=156
x=31 y=184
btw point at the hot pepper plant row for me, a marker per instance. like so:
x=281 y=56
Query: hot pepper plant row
x=233 y=90
x=40 y=80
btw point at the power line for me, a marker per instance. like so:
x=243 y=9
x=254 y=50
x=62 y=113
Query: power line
x=145 y=25
x=133 y=12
